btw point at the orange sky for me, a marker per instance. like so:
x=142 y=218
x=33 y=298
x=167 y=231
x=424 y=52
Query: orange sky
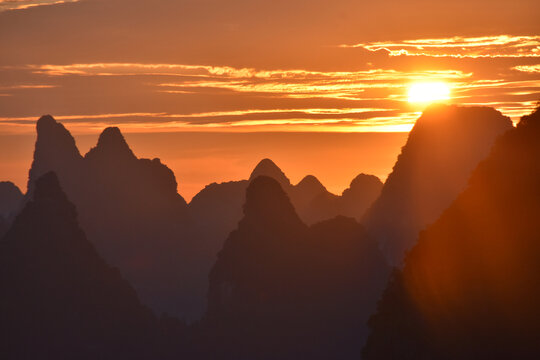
x=198 y=159
x=255 y=66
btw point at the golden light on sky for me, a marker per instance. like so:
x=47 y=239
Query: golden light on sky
x=255 y=67
x=428 y=92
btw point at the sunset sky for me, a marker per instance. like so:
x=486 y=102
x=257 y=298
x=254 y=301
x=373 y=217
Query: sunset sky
x=250 y=66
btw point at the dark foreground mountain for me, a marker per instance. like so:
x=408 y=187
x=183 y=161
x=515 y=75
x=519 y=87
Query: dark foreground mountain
x=217 y=209
x=10 y=201
x=282 y=290
x=131 y=211
x=10 y=198
x=60 y=300
x=470 y=288
x=443 y=148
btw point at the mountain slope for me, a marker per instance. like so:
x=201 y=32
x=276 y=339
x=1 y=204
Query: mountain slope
x=443 y=148
x=59 y=297
x=470 y=287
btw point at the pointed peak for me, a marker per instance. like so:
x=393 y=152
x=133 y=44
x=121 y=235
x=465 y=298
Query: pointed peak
x=49 y=127
x=48 y=187
x=46 y=120
x=267 y=202
x=112 y=142
x=112 y=136
x=267 y=167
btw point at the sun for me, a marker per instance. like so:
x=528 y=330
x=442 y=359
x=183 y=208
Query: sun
x=427 y=92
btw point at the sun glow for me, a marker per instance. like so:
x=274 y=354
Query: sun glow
x=428 y=92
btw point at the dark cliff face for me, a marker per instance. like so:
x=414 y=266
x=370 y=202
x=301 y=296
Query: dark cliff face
x=59 y=297
x=445 y=145
x=282 y=290
x=470 y=287
x=11 y=200
x=131 y=211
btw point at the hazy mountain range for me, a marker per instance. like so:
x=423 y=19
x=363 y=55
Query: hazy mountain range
x=277 y=270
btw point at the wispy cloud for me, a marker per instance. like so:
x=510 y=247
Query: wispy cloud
x=289 y=83
x=460 y=47
x=357 y=119
x=25 y=4
x=190 y=97
x=528 y=68
x=27 y=86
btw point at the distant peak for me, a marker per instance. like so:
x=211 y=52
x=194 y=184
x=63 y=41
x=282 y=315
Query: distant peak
x=46 y=120
x=48 y=127
x=112 y=142
x=111 y=136
x=267 y=167
x=365 y=179
x=267 y=202
x=310 y=182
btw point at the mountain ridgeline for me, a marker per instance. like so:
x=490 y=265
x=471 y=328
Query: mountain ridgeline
x=283 y=290
x=217 y=209
x=102 y=245
x=131 y=211
x=470 y=287
x=445 y=145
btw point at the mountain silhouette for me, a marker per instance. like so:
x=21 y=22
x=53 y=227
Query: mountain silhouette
x=59 y=298
x=470 y=287
x=10 y=201
x=281 y=289
x=131 y=211
x=267 y=167
x=217 y=209
x=443 y=148
x=357 y=198
x=10 y=198
x=354 y=201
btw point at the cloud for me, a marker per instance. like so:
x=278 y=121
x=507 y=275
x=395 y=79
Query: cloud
x=460 y=47
x=26 y=4
x=360 y=119
x=528 y=68
x=284 y=83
